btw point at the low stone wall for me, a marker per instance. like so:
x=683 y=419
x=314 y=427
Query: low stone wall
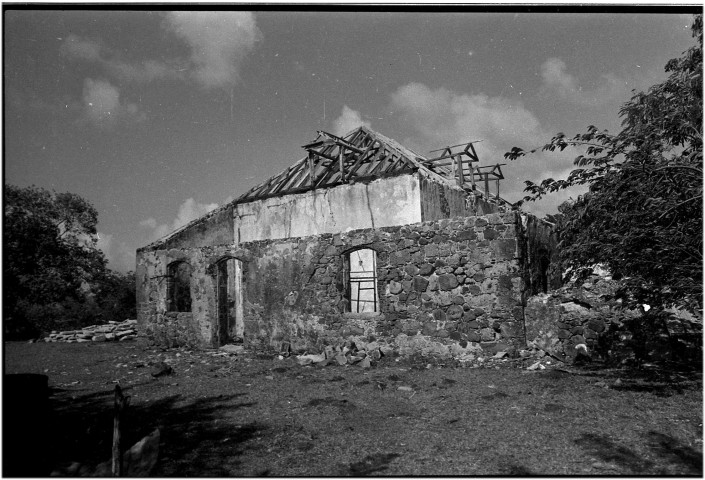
x=588 y=315
x=111 y=331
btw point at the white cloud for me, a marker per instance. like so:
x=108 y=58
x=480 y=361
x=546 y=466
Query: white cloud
x=189 y=210
x=348 y=120
x=92 y=51
x=150 y=222
x=553 y=72
x=441 y=117
x=557 y=80
x=101 y=102
x=120 y=257
x=78 y=47
x=219 y=42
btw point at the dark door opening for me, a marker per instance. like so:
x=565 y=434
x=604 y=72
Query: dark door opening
x=228 y=301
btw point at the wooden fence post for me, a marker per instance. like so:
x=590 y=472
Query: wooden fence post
x=121 y=403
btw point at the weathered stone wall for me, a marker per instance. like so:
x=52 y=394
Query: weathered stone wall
x=195 y=328
x=445 y=287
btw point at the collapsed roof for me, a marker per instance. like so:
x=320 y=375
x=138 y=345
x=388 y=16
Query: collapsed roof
x=364 y=154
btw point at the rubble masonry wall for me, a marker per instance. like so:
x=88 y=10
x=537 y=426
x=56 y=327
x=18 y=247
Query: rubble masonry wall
x=445 y=288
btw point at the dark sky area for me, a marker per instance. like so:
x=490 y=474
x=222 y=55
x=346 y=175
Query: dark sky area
x=158 y=117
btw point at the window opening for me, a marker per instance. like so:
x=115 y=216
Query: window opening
x=179 y=287
x=362 y=281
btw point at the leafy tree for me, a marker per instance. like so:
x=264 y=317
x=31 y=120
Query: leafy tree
x=642 y=214
x=51 y=261
x=115 y=296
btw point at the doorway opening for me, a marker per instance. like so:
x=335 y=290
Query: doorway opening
x=230 y=327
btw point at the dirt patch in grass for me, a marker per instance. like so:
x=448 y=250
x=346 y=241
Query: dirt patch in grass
x=255 y=415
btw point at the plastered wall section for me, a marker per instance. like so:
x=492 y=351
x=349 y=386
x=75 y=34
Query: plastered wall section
x=379 y=203
x=440 y=201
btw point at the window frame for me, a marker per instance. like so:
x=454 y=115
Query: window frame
x=352 y=306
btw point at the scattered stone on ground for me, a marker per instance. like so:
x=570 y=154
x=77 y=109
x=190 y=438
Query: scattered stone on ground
x=110 y=332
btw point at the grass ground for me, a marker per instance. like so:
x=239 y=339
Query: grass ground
x=257 y=415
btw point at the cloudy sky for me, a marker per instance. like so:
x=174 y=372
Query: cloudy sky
x=158 y=117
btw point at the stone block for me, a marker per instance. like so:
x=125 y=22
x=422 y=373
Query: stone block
x=474 y=289
x=490 y=234
x=480 y=222
x=504 y=249
x=400 y=257
x=487 y=334
x=458 y=300
x=589 y=334
x=596 y=324
x=455 y=312
x=464 y=235
x=439 y=315
x=442 y=333
x=411 y=269
x=447 y=282
x=433 y=282
x=426 y=269
x=395 y=287
x=420 y=284
x=444 y=299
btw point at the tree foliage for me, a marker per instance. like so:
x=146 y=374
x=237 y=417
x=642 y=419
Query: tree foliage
x=642 y=214
x=54 y=275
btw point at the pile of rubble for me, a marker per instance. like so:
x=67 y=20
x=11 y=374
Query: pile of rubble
x=110 y=332
x=347 y=354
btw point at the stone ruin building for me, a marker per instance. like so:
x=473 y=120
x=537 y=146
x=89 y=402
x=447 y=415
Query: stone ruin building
x=362 y=239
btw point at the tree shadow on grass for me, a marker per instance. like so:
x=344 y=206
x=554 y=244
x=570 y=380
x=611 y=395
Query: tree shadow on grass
x=673 y=451
x=671 y=456
x=199 y=437
x=371 y=464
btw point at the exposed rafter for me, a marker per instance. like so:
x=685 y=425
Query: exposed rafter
x=363 y=154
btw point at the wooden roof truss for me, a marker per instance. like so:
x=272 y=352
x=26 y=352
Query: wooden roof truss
x=333 y=160
x=457 y=164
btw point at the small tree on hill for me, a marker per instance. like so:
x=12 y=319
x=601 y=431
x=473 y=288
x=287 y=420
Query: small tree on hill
x=642 y=215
